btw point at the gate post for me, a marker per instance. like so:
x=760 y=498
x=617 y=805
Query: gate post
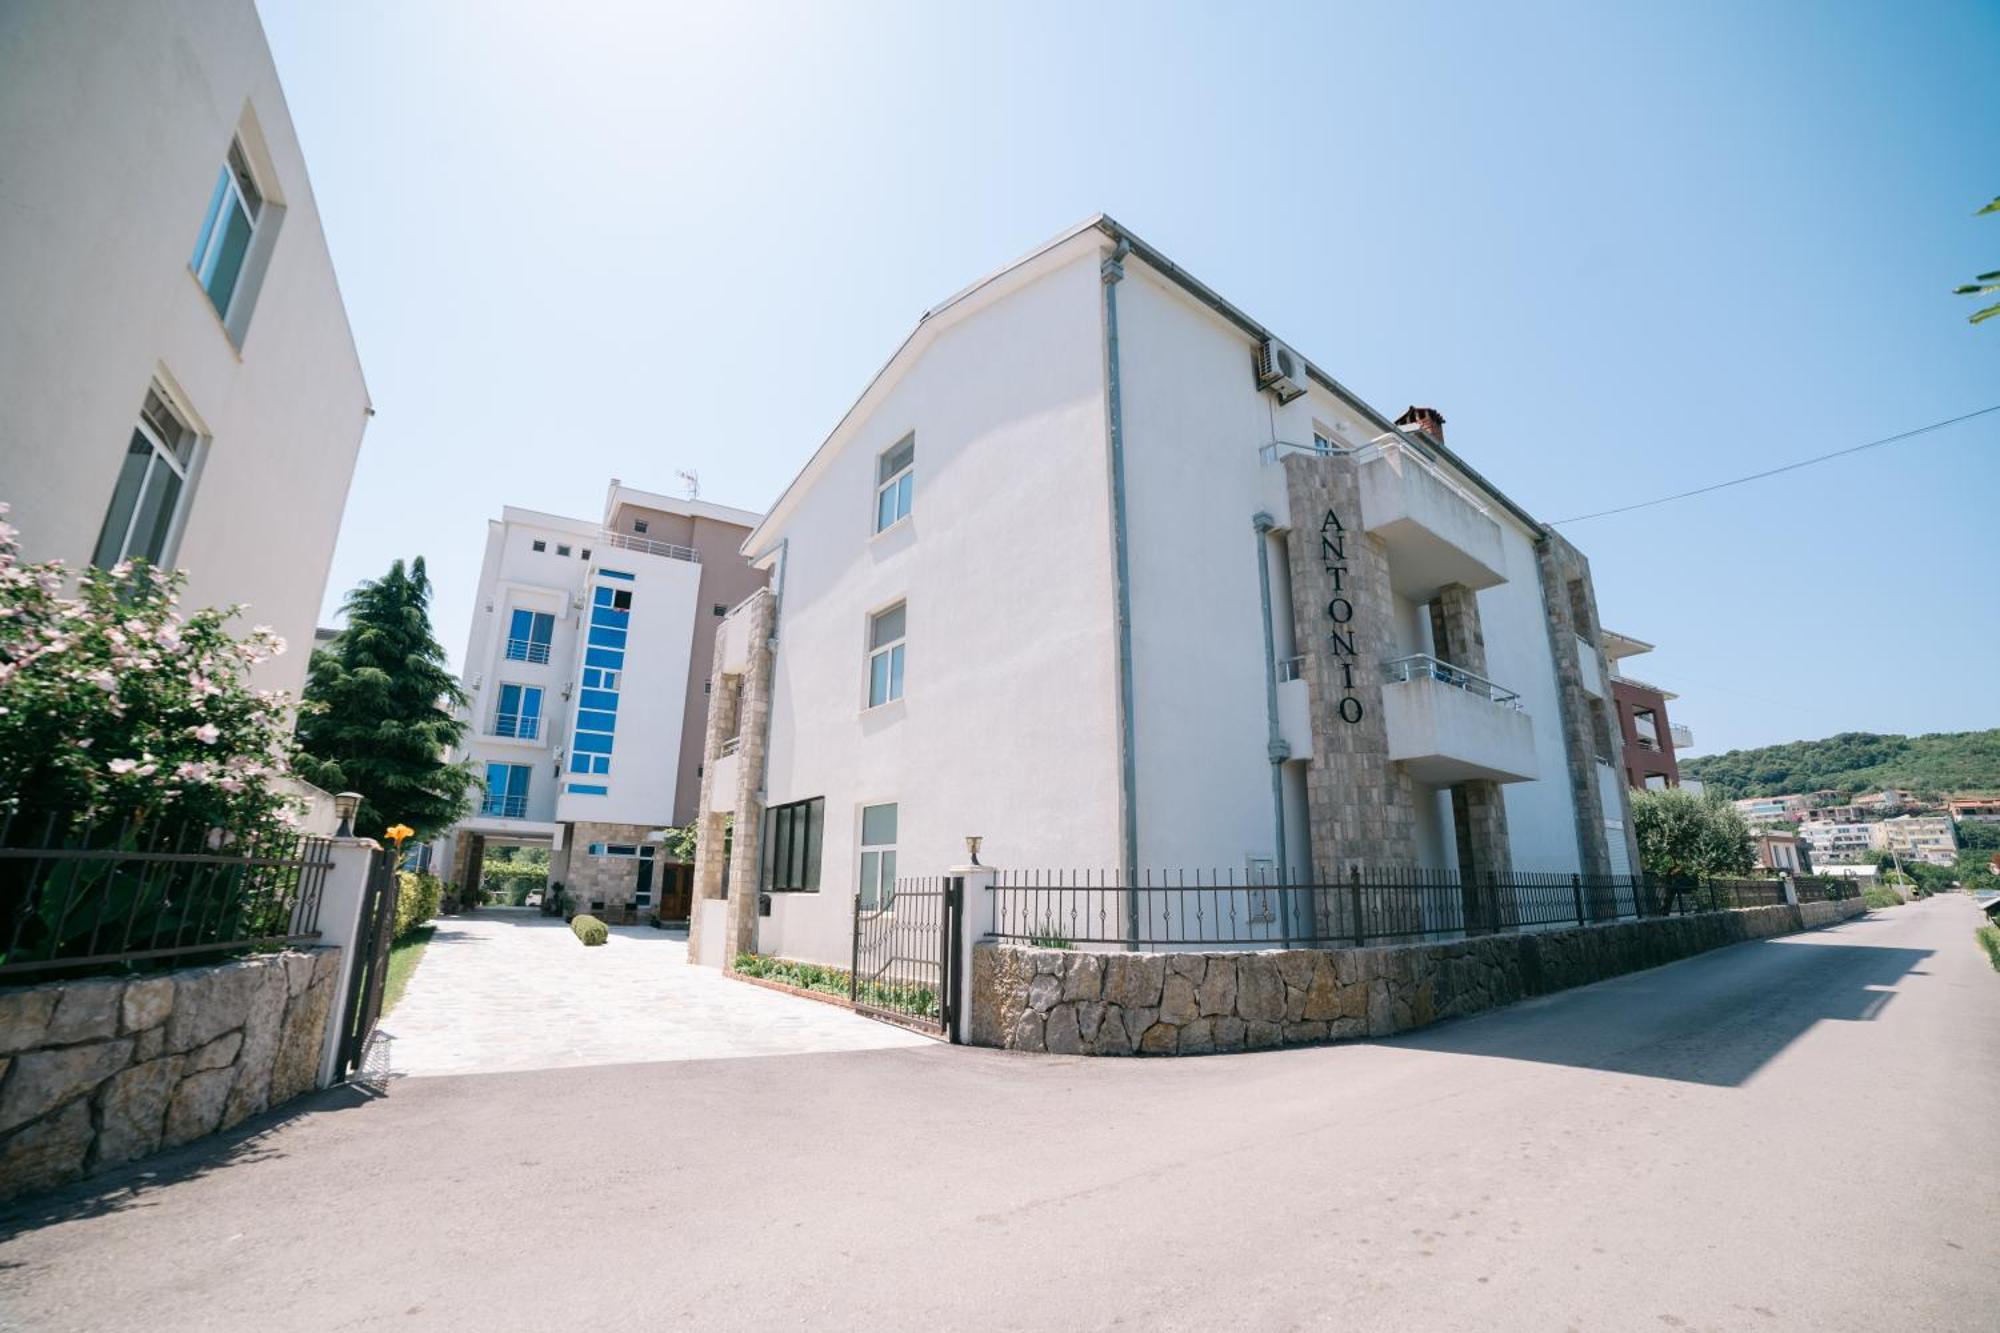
x=340 y=924
x=971 y=909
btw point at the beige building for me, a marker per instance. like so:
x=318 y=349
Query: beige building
x=178 y=381
x=1930 y=838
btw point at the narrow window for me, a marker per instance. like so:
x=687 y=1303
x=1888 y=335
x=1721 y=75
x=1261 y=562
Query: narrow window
x=584 y=554
x=792 y=836
x=893 y=480
x=151 y=491
x=233 y=211
x=878 y=856
x=885 y=656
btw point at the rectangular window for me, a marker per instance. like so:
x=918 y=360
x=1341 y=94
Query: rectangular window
x=719 y=609
x=528 y=636
x=226 y=231
x=151 y=490
x=519 y=712
x=561 y=549
x=541 y=545
x=506 y=791
x=791 y=846
x=885 y=656
x=894 y=476
x=639 y=525
x=584 y=554
x=878 y=856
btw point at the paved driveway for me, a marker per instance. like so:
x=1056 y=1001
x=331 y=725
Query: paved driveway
x=1785 y=1135
x=502 y=990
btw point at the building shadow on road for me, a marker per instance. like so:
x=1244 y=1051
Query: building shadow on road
x=1714 y=1019
x=123 y=1188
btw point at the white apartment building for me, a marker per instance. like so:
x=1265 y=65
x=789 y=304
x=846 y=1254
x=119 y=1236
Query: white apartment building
x=587 y=692
x=1758 y=810
x=178 y=381
x=1930 y=838
x=1099 y=571
x=1834 y=842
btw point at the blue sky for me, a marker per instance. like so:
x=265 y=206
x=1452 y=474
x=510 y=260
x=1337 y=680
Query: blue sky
x=1625 y=249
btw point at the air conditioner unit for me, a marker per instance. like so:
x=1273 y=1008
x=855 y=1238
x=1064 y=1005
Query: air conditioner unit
x=1281 y=370
x=568 y=686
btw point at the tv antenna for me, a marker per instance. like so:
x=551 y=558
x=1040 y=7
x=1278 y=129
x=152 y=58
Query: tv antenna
x=692 y=481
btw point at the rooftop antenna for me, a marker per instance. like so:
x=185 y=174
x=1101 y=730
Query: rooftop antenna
x=692 y=480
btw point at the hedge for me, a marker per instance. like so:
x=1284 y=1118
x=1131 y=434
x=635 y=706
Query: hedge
x=589 y=929
x=418 y=896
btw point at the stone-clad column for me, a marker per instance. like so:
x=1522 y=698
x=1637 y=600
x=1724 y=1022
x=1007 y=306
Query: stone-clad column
x=1478 y=808
x=712 y=830
x=753 y=729
x=1362 y=807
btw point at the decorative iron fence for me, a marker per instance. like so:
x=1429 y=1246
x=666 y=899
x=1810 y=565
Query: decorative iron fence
x=1230 y=910
x=82 y=897
x=905 y=955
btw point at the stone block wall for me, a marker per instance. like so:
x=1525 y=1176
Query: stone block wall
x=612 y=881
x=99 y=1072
x=1073 y=1003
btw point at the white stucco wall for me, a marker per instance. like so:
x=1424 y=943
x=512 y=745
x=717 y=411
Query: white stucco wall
x=114 y=122
x=1007 y=725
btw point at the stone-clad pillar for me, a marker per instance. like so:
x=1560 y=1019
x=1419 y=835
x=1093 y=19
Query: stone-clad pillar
x=1478 y=808
x=1361 y=807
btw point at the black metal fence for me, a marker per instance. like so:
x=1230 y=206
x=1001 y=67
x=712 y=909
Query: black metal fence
x=1826 y=889
x=79 y=897
x=905 y=954
x=1219 y=909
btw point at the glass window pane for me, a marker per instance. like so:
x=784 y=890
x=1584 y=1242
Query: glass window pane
x=878 y=825
x=897 y=459
x=871 y=869
x=903 y=495
x=156 y=516
x=878 y=679
x=896 y=672
x=244 y=180
x=815 y=820
x=885 y=508
x=229 y=258
x=208 y=218
x=888 y=877
x=887 y=627
x=124 y=498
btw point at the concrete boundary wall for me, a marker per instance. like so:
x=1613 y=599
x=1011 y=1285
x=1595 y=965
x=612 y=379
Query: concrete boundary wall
x=1076 y=1003
x=95 y=1073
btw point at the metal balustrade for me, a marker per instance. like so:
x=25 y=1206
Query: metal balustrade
x=519 y=726
x=527 y=650
x=1422 y=666
x=647 y=546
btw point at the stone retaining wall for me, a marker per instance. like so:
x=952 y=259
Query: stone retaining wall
x=1073 y=1003
x=94 y=1073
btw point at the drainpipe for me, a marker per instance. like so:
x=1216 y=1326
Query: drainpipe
x=1111 y=272
x=1275 y=745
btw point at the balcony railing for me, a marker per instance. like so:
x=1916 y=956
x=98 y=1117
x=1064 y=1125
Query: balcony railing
x=647 y=546
x=506 y=807
x=730 y=747
x=1683 y=737
x=520 y=726
x=1291 y=668
x=527 y=650
x=1422 y=666
x=1273 y=450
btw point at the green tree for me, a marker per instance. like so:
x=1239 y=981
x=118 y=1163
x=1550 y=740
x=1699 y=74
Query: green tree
x=1986 y=283
x=379 y=715
x=1683 y=835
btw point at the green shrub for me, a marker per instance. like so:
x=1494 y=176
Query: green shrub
x=589 y=929
x=910 y=999
x=1989 y=939
x=1879 y=895
x=418 y=897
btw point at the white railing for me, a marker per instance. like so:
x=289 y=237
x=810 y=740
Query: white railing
x=1422 y=666
x=1291 y=668
x=1386 y=448
x=520 y=726
x=527 y=650
x=647 y=546
x=1271 y=451
x=506 y=807
x=1683 y=737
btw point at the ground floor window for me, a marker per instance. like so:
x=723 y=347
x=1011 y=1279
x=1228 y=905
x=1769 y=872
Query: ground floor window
x=792 y=836
x=878 y=855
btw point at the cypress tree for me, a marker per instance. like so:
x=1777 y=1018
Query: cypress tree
x=380 y=710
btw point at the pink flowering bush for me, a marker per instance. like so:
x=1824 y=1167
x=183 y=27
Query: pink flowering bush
x=116 y=709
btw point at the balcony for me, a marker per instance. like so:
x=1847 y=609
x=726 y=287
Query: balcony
x=722 y=775
x=1682 y=737
x=647 y=546
x=1447 y=725
x=517 y=726
x=1437 y=532
x=527 y=650
x=504 y=807
x=734 y=636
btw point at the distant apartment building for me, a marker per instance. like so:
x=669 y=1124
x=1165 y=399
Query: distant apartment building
x=1098 y=570
x=586 y=671
x=1834 y=843
x=1975 y=809
x=1651 y=738
x=1929 y=838
x=178 y=382
x=1759 y=810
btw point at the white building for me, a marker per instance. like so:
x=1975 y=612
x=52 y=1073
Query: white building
x=177 y=377
x=1098 y=571
x=1834 y=842
x=587 y=693
x=1930 y=838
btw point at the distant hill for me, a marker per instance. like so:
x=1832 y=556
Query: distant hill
x=1855 y=762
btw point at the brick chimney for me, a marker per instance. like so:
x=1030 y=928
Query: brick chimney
x=1426 y=419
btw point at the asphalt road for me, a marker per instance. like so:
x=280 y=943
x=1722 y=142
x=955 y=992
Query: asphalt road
x=1780 y=1135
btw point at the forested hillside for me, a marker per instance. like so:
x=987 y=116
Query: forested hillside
x=1855 y=762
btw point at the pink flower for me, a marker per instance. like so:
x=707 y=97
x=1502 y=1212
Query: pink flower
x=123 y=766
x=104 y=680
x=206 y=733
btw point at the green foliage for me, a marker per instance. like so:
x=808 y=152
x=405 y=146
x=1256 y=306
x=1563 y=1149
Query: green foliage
x=1989 y=940
x=404 y=955
x=1683 y=835
x=1878 y=896
x=1046 y=936
x=921 y=1001
x=116 y=708
x=379 y=707
x=419 y=894
x=1855 y=762
x=589 y=929
x=1986 y=284
x=1976 y=837
x=678 y=845
x=510 y=874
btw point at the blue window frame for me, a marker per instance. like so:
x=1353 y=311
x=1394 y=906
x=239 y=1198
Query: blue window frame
x=519 y=712
x=588 y=789
x=594 y=742
x=506 y=790
x=528 y=636
x=604 y=700
x=590 y=763
x=616 y=574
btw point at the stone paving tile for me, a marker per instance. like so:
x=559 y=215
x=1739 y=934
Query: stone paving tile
x=502 y=990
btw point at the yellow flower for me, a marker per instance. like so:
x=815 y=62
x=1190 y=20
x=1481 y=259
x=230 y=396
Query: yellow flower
x=397 y=832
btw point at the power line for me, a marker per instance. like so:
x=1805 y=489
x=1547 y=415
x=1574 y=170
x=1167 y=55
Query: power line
x=1789 y=467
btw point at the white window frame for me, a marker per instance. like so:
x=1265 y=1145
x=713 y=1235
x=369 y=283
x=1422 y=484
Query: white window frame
x=208 y=246
x=163 y=455
x=870 y=878
x=899 y=488
x=891 y=653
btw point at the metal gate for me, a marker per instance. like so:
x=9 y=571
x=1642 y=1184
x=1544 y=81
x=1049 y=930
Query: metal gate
x=368 y=969
x=906 y=955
